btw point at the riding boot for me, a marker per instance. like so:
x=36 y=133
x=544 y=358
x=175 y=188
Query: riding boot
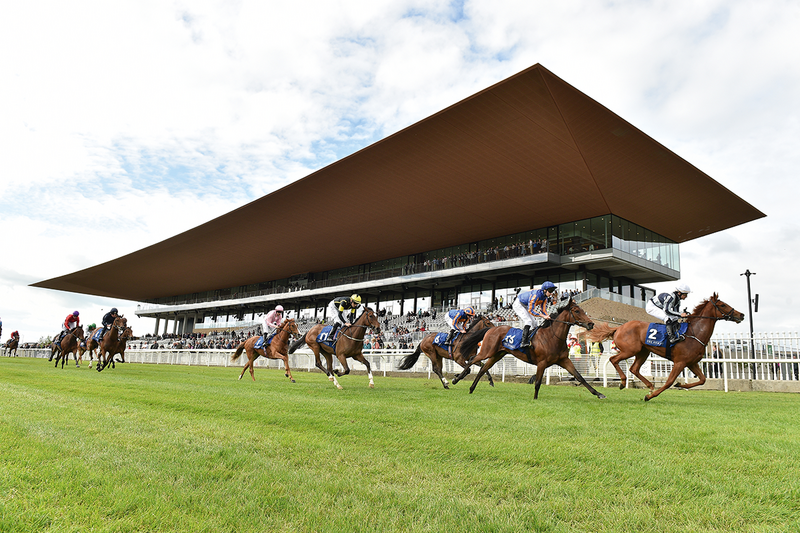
x=449 y=340
x=332 y=336
x=672 y=332
x=525 y=340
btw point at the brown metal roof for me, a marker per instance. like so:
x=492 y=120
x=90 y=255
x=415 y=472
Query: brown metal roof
x=443 y=181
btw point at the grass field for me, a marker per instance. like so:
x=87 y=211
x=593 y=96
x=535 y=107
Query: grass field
x=168 y=448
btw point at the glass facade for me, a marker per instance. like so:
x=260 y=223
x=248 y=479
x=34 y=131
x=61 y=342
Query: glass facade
x=582 y=236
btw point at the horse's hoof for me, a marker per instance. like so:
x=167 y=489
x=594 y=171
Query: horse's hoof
x=621 y=386
x=371 y=385
x=339 y=387
x=601 y=397
x=293 y=381
x=647 y=398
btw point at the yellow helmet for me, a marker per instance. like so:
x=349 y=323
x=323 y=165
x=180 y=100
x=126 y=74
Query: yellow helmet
x=356 y=298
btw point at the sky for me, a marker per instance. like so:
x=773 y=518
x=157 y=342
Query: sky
x=125 y=123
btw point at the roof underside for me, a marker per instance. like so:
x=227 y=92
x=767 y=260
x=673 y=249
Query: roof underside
x=439 y=183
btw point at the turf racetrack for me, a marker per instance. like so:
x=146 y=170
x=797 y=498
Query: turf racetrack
x=171 y=448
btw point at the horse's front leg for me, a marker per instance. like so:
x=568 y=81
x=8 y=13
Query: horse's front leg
x=695 y=368
x=567 y=365
x=363 y=360
x=677 y=368
x=288 y=373
x=641 y=357
x=615 y=360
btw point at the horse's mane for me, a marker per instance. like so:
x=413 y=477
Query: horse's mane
x=704 y=303
x=560 y=309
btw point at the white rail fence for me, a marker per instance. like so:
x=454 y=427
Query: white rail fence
x=766 y=357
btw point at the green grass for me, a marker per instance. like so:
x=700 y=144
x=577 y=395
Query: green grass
x=169 y=448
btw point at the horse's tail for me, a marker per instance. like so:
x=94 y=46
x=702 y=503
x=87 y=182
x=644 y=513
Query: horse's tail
x=239 y=350
x=601 y=332
x=297 y=344
x=410 y=360
x=471 y=340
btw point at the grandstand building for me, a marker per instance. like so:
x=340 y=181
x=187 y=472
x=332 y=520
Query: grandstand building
x=467 y=206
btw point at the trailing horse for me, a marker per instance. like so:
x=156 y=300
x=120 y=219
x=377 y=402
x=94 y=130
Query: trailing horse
x=11 y=346
x=630 y=339
x=278 y=348
x=548 y=348
x=69 y=344
x=349 y=344
x=436 y=353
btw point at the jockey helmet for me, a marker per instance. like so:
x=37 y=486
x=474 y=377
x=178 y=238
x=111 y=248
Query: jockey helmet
x=469 y=310
x=279 y=308
x=548 y=286
x=75 y=313
x=356 y=298
x=114 y=310
x=684 y=288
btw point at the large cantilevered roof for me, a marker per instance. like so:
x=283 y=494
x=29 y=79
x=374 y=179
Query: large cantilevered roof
x=493 y=164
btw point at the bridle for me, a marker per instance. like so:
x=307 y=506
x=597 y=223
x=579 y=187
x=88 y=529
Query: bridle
x=723 y=315
x=365 y=326
x=574 y=322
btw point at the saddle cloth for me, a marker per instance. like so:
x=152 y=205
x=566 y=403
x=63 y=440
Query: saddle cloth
x=322 y=337
x=657 y=334
x=513 y=339
x=260 y=342
x=441 y=337
x=96 y=334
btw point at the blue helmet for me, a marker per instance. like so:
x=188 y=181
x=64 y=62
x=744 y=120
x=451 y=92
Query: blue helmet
x=548 y=286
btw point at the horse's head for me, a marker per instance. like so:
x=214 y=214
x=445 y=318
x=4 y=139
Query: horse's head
x=725 y=311
x=78 y=332
x=571 y=313
x=120 y=322
x=372 y=320
x=291 y=326
x=127 y=333
x=479 y=321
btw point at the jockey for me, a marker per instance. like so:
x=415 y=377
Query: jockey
x=665 y=307
x=457 y=319
x=14 y=335
x=108 y=321
x=271 y=321
x=337 y=308
x=71 y=322
x=531 y=307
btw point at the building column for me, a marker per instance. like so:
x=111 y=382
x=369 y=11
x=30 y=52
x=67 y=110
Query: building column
x=157 y=322
x=166 y=322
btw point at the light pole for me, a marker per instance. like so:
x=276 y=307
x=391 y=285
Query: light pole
x=750 y=313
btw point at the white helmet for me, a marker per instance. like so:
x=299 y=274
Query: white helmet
x=684 y=288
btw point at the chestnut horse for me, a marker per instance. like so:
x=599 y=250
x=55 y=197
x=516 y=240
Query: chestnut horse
x=350 y=344
x=548 y=348
x=630 y=341
x=11 y=346
x=277 y=349
x=69 y=344
x=114 y=342
x=88 y=346
x=437 y=353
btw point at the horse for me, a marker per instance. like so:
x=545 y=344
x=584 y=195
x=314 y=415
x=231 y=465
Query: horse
x=277 y=349
x=630 y=341
x=349 y=344
x=11 y=346
x=69 y=344
x=90 y=347
x=436 y=353
x=113 y=342
x=548 y=348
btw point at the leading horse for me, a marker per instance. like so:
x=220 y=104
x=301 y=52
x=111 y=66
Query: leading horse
x=630 y=341
x=350 y=344
x=69 y=344
x=278 y=348
x=436 y=353
x=114 y=342
x=548 y=348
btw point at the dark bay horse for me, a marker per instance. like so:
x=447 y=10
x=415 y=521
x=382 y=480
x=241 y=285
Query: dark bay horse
x=350 y=344
x=277 y=349
x=630 y=341
x=69 y=344
x=11 y=346
x=88 y=346
x=436 y=353
x=549 y=346
x=114 y=342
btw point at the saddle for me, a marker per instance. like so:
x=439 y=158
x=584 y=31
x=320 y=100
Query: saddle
x=322 y=337
x=513 y=339
x=441 y=338
x=260 y=343
x=657 y=334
